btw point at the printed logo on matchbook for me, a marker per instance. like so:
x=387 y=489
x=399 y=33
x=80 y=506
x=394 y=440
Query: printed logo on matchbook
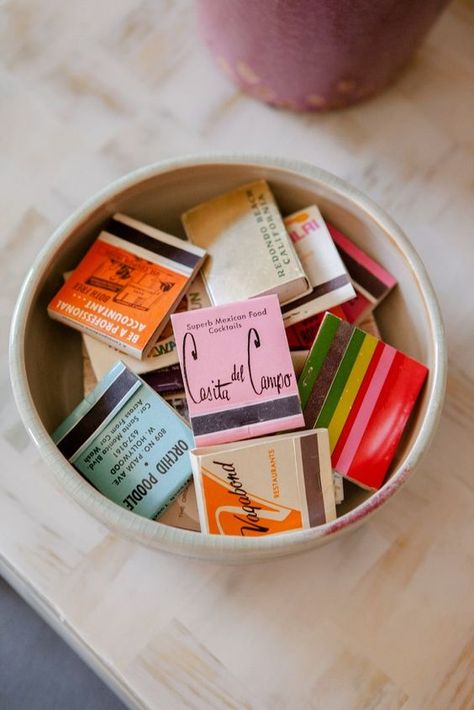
x=250 y=252
x=127 y=284
x=328 y=277
x=267 y=486
x=129 y=443
x=237 y=371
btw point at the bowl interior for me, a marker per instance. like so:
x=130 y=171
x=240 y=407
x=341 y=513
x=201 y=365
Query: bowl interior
x=52 y=351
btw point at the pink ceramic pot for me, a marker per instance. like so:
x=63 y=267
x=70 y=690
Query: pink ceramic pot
x=315 y=54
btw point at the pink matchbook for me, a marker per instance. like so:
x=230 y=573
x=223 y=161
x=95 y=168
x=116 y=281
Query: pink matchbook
x=237 y=371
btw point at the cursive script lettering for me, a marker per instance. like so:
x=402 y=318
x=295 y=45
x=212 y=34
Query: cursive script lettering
x=220 y=390
x=216 y=390
x=251 y=519
x=276 y=382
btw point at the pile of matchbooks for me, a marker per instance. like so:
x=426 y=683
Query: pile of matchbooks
x=236 y=379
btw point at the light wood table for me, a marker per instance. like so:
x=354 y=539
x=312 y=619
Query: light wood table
x=382 y=618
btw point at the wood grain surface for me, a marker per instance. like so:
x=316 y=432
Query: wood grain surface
x=382 y=618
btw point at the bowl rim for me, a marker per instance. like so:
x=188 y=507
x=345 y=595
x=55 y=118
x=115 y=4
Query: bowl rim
x=183 y=541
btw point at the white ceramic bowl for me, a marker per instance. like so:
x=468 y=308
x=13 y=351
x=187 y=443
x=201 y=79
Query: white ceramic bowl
x=45 y=357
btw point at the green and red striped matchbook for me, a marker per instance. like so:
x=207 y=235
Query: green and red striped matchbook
x=363 y=391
